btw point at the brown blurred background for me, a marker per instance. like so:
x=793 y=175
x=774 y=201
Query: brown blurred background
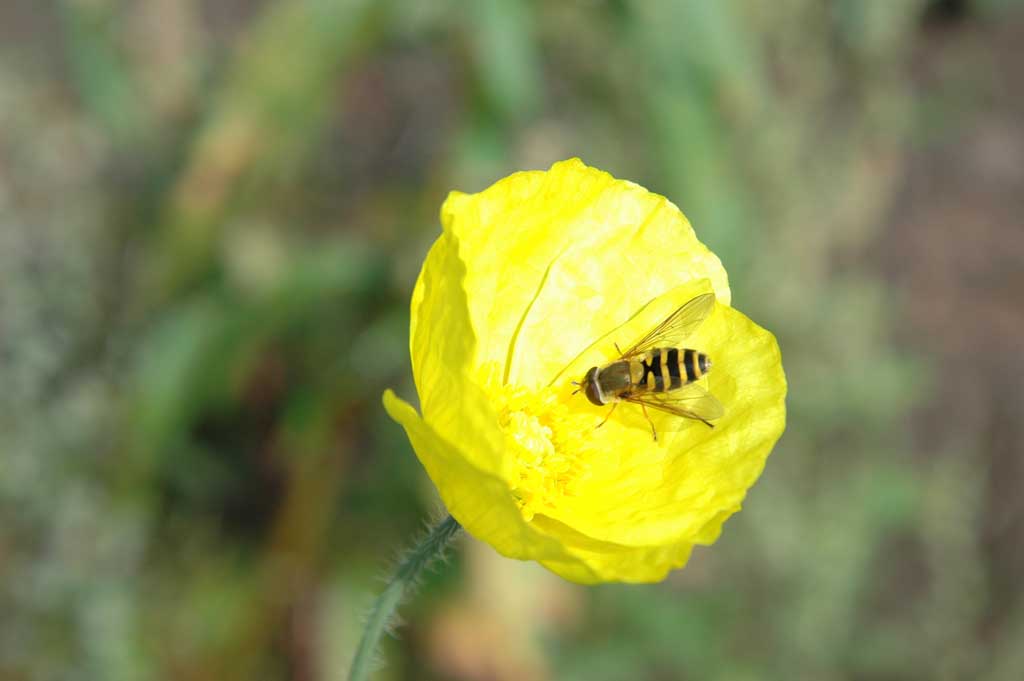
x=212 y=214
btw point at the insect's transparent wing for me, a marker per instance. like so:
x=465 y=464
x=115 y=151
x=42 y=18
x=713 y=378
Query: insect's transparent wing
x=691 y=401
x=678 y=325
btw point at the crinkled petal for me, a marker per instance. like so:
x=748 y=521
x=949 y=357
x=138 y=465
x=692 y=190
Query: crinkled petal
x=572 y=244
x=442 y=344
x=483 y=506
x=479 y=500
x=594 y=561
x=641 y=492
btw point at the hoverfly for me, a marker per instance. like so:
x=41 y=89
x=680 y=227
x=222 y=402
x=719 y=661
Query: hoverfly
x=658 y=373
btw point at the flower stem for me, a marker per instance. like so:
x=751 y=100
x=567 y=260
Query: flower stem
x=429 y=549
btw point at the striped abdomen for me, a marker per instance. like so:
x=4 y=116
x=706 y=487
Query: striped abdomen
x=664 y=369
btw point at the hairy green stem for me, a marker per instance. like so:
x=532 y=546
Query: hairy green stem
x=430 y=549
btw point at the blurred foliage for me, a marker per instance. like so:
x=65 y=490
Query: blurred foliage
x=211 y=218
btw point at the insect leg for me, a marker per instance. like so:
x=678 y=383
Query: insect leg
x=617 y=349
x=608 y=416
x=653 y=431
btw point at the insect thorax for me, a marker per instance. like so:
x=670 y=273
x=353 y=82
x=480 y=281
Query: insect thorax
x=615 y=379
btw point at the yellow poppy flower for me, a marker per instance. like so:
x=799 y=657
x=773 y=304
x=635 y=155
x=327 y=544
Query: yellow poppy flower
x=532 y=282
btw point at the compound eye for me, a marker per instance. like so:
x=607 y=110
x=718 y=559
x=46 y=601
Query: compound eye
x=592 y=389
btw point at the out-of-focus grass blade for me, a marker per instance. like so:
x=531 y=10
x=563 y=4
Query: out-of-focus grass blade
x=695 y=91
x=508 y=74
x=504 y=42
x=270 y=110
x=103 y=78
x=875 y=29
x=188 y=362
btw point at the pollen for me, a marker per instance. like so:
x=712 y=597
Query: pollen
x=543 y=438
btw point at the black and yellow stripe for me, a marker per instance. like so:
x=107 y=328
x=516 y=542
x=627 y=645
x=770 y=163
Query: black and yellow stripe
x=652 y=377
x=691 y=365
x=664 y=369
x=672 y=360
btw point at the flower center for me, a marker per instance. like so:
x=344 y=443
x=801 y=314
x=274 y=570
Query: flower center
x=542 y=438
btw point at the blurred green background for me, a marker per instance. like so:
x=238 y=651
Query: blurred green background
x=212 y=213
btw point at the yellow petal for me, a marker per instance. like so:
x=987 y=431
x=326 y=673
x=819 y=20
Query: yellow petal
x=479 y=500
x=592 y=561
x=483 y=506
x=442 y=344
x=572 y=244
x=639 y=492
